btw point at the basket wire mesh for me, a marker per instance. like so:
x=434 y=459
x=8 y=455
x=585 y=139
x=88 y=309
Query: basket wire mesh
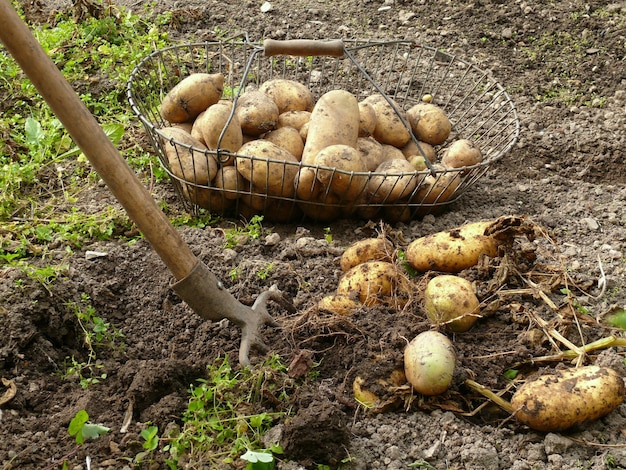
x=477 y=105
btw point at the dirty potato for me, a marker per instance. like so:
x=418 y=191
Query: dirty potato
x=452 y=251
x=257 y=113
x=429 y=123
x=288 y=95
x=270 y=171
x=368 y=249
x=560 y=400
x=376 y=282
x=191 y=96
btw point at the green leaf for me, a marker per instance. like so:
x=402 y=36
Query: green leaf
x=76 y=425
x=151 y=437
x=511 y=374
x=114 y=131
x=261 y=458
x=94 y=431
x=33 y=131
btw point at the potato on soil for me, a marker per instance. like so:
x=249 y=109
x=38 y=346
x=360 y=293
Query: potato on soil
x=452 y=251
x=429 y=123
x=288 y=95
x=295 y=119
x=424 y=150
x=565 y=398
x=367 y=119
x=461 y=153
x=211 y=123
x=380 y=384
x=450 y=301
x=275 y=178
x=429 y=362
x=389 y=128
x=397 y=179
x=191 y=96
x=334 y=120
x=371 y=152
x=376 y=282
x=368 y=249
x=194 y=166
x=287 y=138
x=338 y=304
x=344 y=183
x=257 y=113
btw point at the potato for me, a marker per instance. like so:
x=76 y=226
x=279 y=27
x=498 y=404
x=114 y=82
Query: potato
x=304 y=131
x=186 y=126
x=334 y=120
x=287 y=138
x=371 y=152
x=208 y=198
x=185 y=163
x=368 y=249
x=211 y=123
x=418 y=162
x=257 y=113
x=322 y=208
x=424 y=150
x=450 y=301
x=376 y=282
x=367 y=119
x=565 y=398
x=396 y=181
x=437 y=189
x=191 y=96
x=453 y=250
x=389 y=128
x=363 y=209
x=307 y=186
x=461 y=153
x=295 y=119
x=377 y=385
x=230 y=181
x=429 y=362
x=338 y=304
x=429 y=123
x=391 y=153
x=288 y=95
x=347 y=159
x=275 y=178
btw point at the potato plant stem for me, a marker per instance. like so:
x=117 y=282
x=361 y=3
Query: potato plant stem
x=484 y=391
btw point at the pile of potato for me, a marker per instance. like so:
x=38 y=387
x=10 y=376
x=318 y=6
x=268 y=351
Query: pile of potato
x=373 y=275
x=330 y=155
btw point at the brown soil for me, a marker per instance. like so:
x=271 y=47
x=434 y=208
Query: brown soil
x=566 y=174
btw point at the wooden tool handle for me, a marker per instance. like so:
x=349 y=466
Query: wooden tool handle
x=94 y=143
x=303 y=47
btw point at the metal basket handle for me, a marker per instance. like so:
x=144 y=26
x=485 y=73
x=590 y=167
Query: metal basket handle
x=303 y=47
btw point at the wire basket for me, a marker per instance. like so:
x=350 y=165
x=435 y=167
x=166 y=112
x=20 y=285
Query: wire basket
x=478 y=107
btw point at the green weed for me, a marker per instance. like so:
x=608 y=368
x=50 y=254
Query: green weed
x=239 y=235
x=225 y=417
x=265 y=272
x=82 y=429
x=96 y=333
